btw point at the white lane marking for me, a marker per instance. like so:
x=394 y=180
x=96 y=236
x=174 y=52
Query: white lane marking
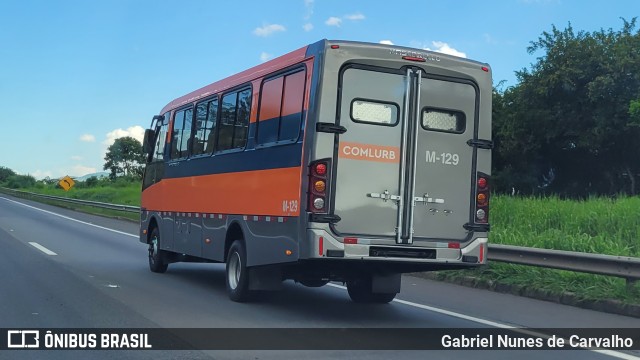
x=72 y=219
x=42 y=248
x=611 y=353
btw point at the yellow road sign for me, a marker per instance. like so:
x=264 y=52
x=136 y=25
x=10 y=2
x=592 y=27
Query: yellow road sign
x=66 y=183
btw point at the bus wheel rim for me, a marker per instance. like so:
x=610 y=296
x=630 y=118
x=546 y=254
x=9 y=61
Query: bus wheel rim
x=153 y=249
x=234 y=270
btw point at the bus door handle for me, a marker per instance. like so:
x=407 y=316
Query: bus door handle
x=385 y=196
x=428 y=200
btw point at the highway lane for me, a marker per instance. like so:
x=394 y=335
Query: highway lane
x=99 y=278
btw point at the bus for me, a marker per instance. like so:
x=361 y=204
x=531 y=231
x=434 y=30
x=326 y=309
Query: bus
x=340 y=161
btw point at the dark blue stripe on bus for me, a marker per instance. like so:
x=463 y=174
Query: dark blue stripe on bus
x=270 y=157
x=288 y=127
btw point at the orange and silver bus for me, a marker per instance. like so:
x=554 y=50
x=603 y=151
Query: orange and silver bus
x=340 y=161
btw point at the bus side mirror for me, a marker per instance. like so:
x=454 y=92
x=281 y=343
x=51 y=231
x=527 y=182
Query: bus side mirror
x=147 y=144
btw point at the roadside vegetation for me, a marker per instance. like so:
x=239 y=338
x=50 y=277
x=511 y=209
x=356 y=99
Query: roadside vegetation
x=123 y=190
x=599 y=225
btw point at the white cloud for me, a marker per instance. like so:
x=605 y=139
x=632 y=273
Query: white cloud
x=336 y=21
x=80 y=170
x=136 y=132
x=76 y=158
x=268 y=30
x=87 y=138
x=40 y=174
x=75 y=171
x=308 y=4
x=333 y=21
x=307 y=27
x=386 y=42
x=444 y=48
x=489 y=39
x=354 y=17
x=265 y=56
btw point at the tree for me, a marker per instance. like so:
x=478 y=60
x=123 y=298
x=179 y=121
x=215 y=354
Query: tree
x=569 y=123
x=5 y=174
x=91 y=181
x=124 y=157
x=20 y=181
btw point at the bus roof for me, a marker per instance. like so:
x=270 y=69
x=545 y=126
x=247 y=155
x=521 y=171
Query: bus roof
x=299 y=55
x=239 y=78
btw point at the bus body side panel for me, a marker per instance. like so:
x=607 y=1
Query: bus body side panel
x=270 y=239
x=257 y=188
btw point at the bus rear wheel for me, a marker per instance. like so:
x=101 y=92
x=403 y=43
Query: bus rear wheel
x=237 y=273
x=360 y=291
x=157 y=262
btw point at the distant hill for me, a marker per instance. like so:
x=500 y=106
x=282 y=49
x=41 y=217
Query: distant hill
x=97 y=174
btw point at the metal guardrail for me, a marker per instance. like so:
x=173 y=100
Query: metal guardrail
x=117 y=207
x=619 y=266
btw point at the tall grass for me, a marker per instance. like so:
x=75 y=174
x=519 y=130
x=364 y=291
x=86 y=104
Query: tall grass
x=124 y=193
x=595 y=225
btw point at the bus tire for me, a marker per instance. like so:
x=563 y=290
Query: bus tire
x=237 y=273
x=360 y=291
x=157 y=262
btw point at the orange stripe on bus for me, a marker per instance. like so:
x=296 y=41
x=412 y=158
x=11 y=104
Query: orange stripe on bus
x=273 y=192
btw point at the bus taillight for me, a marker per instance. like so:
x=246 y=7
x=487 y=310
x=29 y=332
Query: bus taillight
x=318 y=186
x=320 y=169
x=482 y=198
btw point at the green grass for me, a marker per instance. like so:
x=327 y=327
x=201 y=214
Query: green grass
x=583 y=286
x=123 y=193
x=595 y=225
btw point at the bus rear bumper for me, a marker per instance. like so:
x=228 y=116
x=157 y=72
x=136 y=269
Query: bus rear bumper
x=326 y=246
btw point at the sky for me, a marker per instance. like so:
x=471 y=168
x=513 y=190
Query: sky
x=76 y=75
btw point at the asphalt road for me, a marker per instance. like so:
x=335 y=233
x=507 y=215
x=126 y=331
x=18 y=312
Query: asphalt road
x=99 y=278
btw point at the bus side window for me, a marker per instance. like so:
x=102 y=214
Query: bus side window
x=242 y=119
x=227 y=120
x=292 y=102
x=176 y=139
x=161 y=140
x=270 y=105
x=185 y=144
x=234 y=120
x=281 y=106
x=204 y=127
x=181 y=139
x=210 y=131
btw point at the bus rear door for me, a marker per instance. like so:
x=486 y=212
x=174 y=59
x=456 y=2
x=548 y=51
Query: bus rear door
x=404 y=170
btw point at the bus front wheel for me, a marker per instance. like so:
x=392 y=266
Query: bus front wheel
x=157 y=262
x=237 y=273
